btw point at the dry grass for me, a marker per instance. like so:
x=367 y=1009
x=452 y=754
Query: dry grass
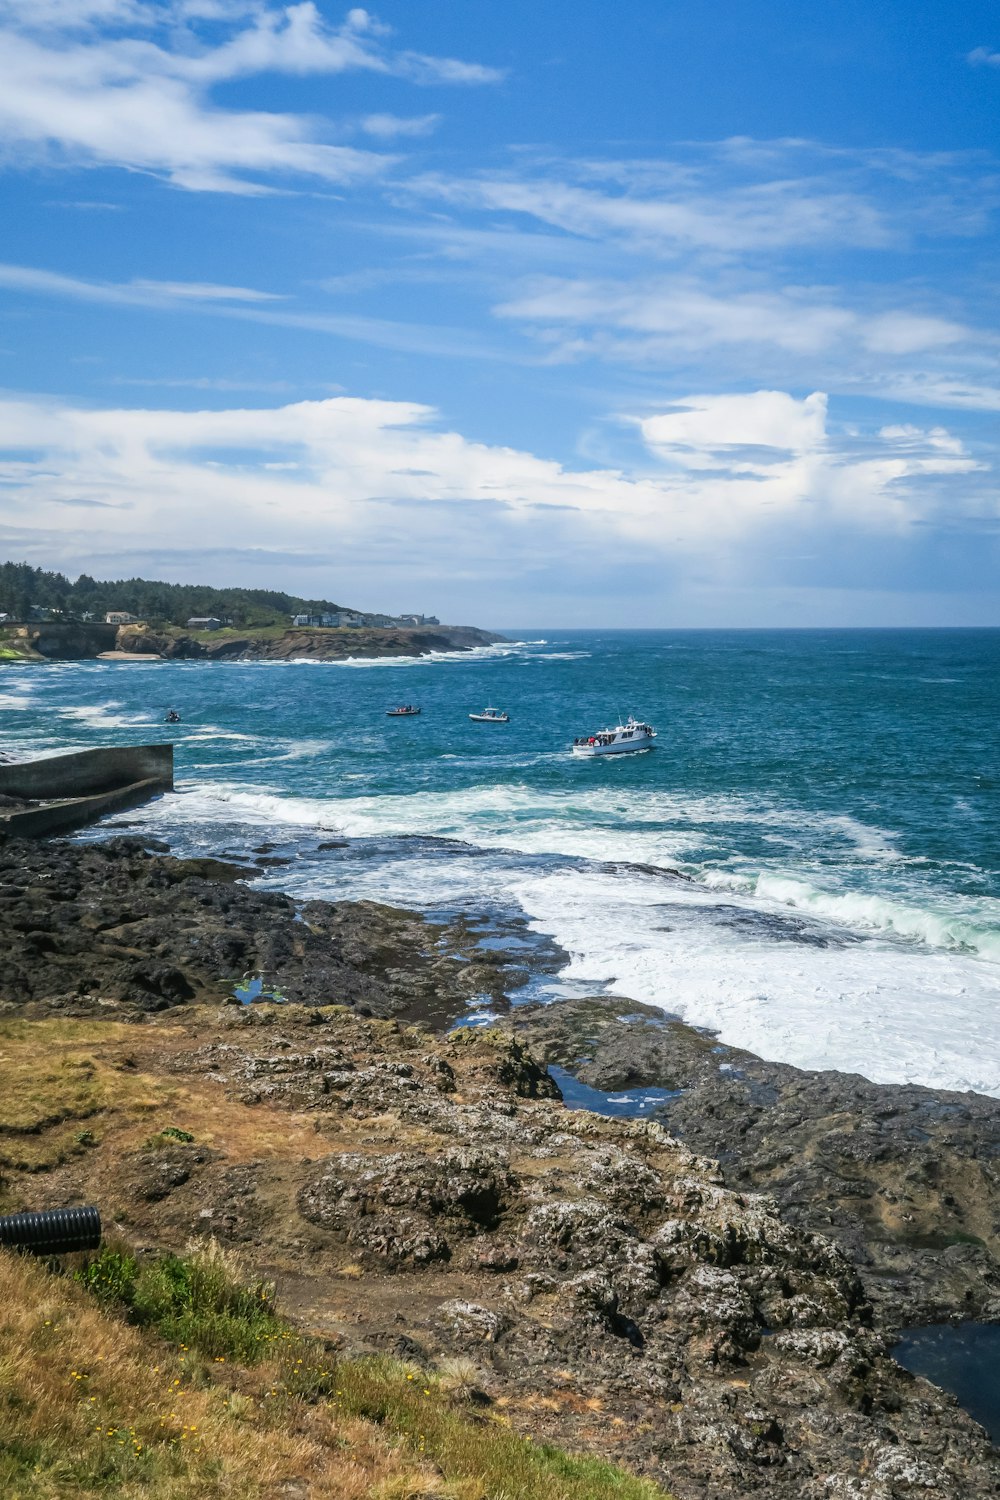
x=60 y=1079
x=90 y=1406
x=54 y=1083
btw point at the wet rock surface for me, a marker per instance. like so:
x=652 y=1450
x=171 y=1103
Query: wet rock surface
x=432 y=1198
x=905 y=1179
x=85 y=925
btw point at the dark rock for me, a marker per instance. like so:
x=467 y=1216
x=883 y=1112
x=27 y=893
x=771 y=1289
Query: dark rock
x=112 y=921
x=903 y=1178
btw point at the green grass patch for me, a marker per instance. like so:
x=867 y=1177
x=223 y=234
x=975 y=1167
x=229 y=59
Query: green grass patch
x=199 y=1302
x=196 y=1300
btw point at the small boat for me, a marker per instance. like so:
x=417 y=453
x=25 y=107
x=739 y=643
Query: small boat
x=632 y=735
x=172 y=716
x=404 y=711
x=490 y=716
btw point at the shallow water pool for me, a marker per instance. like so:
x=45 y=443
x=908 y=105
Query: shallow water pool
x=963 y=1358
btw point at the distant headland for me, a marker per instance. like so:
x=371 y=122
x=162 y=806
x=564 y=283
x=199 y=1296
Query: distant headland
x=45 y=616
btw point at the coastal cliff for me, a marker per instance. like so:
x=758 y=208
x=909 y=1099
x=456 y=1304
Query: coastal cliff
x=301 y=643
x=427 y=1195
x=75 y=641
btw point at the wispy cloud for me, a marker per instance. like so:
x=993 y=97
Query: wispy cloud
x=76 y=15
x=982 y=57
x=738 y=258
x=651 y=319
x=203 y=291
x=388 y=127
x=126 y=99
x=138 y=293
x=247 y=303
x=205 y=383
x=762 y=216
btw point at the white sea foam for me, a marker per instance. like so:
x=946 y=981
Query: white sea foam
x=213 y=732
x=976 y=930
x=894 y=1014
x=297 y=750
x=602 y=825
x=500 y=651
x=904 y=991
x=597 y=823
x=102 y=716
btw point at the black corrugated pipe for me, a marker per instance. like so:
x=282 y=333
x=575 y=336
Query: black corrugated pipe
x=54 y=1231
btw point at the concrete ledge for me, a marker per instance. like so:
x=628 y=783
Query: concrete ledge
x=77 y=812
x=84 y=773
x=73 y=790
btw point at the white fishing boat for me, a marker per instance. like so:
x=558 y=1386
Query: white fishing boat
x=632 y=735
x=490 y=716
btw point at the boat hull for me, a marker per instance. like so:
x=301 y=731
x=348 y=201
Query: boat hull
x=629 y=748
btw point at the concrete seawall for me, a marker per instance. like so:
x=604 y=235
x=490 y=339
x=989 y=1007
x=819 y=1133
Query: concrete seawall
x=73 y=790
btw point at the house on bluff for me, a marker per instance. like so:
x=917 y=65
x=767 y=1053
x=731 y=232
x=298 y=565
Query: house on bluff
x=333 y=620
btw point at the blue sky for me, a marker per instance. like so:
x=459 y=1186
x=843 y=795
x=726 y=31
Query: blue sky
x=651 y=314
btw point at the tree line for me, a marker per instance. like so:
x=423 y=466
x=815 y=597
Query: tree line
x=24 y=589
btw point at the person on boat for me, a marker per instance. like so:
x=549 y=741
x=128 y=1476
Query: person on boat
x=173 y=717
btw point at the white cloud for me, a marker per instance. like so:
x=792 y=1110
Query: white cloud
x=908 y=333
x=75 y=15
x=983 y=57
x=387 y=127
x=766 y=453
x=296 y=39
x=906 y=435
x=359 y=477
x=129 y=101
x=247 y=303
x=702 y=426
x=681 y=312
x=666 y=314
x=923 y=389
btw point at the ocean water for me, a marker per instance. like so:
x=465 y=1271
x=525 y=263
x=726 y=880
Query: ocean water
x=808 y=862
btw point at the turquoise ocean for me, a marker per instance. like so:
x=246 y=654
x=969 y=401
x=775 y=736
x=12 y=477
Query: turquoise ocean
x=831 y=798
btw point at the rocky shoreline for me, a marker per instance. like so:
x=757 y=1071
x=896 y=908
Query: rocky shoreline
x=300 y=643
x=713 y=1306
x=79 y=642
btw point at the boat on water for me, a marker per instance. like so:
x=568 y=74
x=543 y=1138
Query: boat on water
x=632 y=735
x=404 y=711
x=490 y=716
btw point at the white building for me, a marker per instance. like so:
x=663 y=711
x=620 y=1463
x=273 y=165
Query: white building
x=120 y=617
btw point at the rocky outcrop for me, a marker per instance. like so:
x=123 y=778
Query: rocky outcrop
x=311 y=644
x=86 y=924
x=75 y=640
x=600 y=1284
x=905 y=1179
